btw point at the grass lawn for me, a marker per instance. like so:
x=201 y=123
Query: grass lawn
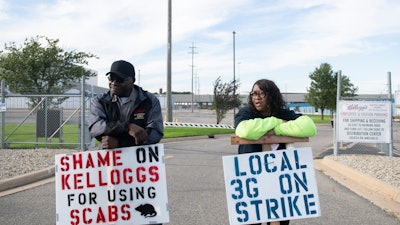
x=317 y=118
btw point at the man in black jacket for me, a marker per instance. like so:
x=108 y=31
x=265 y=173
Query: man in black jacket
x=126 y=115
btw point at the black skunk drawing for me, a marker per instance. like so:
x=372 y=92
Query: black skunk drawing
x=146 y=210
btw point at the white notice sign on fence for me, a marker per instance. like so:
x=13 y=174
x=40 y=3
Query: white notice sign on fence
x=364 y=121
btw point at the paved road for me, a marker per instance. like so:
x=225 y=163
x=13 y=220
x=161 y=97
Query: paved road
x=197 y=194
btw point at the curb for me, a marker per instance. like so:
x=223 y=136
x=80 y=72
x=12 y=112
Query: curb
x=381 y=194
x=26 y=178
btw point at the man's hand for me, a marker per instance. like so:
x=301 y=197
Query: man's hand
x=109 y=142
x=138 y=133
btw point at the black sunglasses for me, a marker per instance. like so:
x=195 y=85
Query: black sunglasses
x=117 y=79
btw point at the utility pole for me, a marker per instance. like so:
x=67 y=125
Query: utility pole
x=169 y=95
x=192 y=52
x=139 y=77
x=197 y=86
x=234 y=71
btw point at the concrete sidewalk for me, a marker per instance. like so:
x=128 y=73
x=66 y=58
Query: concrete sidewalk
x=379 y=193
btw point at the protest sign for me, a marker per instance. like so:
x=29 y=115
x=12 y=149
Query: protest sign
x=119 y=186
x=271 y=186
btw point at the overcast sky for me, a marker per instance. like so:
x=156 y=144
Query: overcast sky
x=281 y=40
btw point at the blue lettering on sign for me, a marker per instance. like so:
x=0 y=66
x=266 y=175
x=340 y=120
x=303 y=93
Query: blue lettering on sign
x=251 y=188
x=303 y=182
x=238 y=188
x=293 y=205
x=285 y=162
x=258 y=163
x=283 y=206
x=272 y=207
x=307 y=204
x=296 y=159
x=266 y=163
x=282 y=179
x=270 y=163
x=276 y=208
x=285 y=183
x=254 y=194
x=290 y=183
x=244 y=213
x=256 y=203
x=237 y=172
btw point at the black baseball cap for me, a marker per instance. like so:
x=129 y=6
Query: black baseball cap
x=123 y=69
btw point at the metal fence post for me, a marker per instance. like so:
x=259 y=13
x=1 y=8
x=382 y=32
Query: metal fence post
x=336 y=122
x=390 y=144
x=3 y=114
x=83 y=109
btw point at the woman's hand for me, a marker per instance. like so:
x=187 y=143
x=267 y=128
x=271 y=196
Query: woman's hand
x=270 y=133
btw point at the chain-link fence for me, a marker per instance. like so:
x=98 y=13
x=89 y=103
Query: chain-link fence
x=45 y=121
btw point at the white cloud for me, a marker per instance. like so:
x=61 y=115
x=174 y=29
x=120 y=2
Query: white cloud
x=285 y=39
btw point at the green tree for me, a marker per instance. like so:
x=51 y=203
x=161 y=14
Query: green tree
x=322 y=92
x=224 y=99
x=40 y=66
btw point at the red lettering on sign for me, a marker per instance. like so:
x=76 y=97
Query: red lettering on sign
x=117 y=157
x=128 y=179
x=74 y=214
x=111 y=214
x=140 y=177
x=85 y=219
x=88 y=179
x=100 y=216
x=78 y=181
x=126 y=214
x=103 y=161
x=115 y=177
x=77 y=161
x=64 y=163
x=89 y=162
x=106 y=161
x=101 y=182
x=64 y=182
x=153 y=171
x=88 y=184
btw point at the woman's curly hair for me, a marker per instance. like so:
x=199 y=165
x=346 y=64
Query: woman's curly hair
x=274 y=97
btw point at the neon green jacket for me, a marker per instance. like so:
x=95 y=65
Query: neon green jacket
x=253 y=129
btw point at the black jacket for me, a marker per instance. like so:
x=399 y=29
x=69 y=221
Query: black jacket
x=145 y=111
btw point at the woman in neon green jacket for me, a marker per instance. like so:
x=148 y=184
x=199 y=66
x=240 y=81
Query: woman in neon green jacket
x=267 y=113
